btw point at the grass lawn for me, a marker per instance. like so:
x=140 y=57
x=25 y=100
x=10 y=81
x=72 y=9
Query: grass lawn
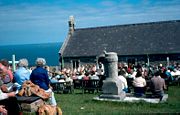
x=83 y=104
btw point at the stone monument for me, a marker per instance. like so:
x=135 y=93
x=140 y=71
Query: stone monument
x=112 y=86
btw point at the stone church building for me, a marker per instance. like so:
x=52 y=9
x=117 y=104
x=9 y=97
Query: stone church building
x=134 y=43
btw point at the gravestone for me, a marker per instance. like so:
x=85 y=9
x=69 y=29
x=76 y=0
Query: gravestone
x=112 y=86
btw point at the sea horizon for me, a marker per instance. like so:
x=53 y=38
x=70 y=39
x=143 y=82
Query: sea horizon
x=31 y=52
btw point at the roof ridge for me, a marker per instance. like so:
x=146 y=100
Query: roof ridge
x=145 y=23
x=64 y=44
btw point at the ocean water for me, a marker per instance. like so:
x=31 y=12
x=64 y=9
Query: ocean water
x=49 y=51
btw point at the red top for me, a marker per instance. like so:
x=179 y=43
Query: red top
x=4 y=69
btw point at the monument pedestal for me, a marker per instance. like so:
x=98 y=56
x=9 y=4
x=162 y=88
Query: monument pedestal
x=112 y=86
x=119 y=97
x=112 y=89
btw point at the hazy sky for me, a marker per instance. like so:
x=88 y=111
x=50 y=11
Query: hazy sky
x=44 y=21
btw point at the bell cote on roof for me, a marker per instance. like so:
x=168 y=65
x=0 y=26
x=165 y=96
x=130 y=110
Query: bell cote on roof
x=71 y=24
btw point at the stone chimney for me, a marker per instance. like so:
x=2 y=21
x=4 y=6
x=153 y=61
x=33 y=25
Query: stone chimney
x=71 y=24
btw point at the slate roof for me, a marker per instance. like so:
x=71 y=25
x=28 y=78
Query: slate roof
x=132 y=39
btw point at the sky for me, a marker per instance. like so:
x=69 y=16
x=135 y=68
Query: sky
x=46 y=21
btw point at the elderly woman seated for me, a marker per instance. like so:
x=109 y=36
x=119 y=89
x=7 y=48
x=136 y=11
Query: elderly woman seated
x=22 y=73
x=39 y=76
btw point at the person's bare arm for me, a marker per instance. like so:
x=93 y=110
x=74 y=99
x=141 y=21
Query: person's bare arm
x=164 y=86
x=11 y=94
x=3 y=110
x=6 y=95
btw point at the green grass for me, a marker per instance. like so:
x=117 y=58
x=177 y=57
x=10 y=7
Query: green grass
x=73 y=104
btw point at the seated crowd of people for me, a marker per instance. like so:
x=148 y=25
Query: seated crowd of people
x=11 y=83
x=144 y=78
x=139 y=77
x=86 y=72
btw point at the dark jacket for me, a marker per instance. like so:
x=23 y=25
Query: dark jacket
x=39 y=76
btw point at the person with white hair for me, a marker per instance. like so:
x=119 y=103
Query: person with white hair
x=39 y=76
x=22 y=73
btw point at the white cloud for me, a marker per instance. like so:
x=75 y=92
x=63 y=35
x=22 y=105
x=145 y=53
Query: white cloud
x=42 y=15
x=50 y=19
